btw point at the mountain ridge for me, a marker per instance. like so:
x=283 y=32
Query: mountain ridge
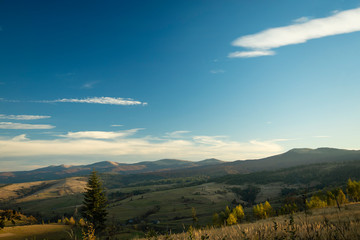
x=184 y=168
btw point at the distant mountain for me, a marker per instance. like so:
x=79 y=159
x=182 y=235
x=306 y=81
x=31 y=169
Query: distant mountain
x=301 y=156
x=64 y=171
x=210 y=161
x=171 y=168
x=292 y=158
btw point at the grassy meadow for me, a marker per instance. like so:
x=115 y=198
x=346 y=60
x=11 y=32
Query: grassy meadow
x=325 y=223
x=160 y=206
x=39 y=232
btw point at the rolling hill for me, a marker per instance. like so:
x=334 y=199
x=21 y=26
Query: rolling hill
x=172 y=168
x=65 y=171
x=292 y=158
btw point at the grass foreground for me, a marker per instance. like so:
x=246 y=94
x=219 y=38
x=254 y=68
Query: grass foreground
x=39 y=232
x=325 y=223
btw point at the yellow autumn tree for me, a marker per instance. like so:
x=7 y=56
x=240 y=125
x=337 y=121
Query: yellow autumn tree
x=268 y=209
x=231 y=220
x=263 y=211
x=340 y=197
x=315 y=202
x=353 y=190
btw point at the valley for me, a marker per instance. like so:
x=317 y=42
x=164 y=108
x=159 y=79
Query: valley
x=164 y=200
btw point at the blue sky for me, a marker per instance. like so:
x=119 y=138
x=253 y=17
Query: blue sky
x=128 y=81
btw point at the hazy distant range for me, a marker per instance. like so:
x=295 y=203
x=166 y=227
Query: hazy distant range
x=183 y=168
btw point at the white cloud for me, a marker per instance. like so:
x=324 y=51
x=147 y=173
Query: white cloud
x=21 y=137
x=89 y=85
x=301 y=20
x=23 y=117
x=177 y=134
x=249 y=54
x=100 y=100
x=339 y=23
x=12 y=125
x=321 y=136
x=6 y=100
x=100 y=134
x=117 y=125
x=209 y=140
x=90 y=144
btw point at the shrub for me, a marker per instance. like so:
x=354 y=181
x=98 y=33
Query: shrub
x=263 y=211
x=315 y=202
x=353 y=190
x=231 y=219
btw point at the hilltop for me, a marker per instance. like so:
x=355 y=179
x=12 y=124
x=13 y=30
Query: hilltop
x=64 y=171
x=174 y=168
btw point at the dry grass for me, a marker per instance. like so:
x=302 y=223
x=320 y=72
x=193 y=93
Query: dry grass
x=327 y=223
x=54 y=188
x=63 y=187
x=39 y=232
x=11 y=190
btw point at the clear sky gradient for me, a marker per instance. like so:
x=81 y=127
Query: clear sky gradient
x=128 y=81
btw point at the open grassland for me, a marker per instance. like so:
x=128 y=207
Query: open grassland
x=52 y=206
x=33 y=191
x=169 y=205
x=18 y=190
x=38 y=232
x=172 y=206
x=325 y=223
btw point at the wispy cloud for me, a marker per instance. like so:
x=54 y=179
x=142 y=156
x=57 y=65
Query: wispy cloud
x=21 y=137
x=301 y=20
x=250 y=54
x=12 y=125
x=89 y=85
x=99 y=100
x=100 y=134
x=116 y=125
x=303 y=30
x=6 y=100
x=321 y=136
x=126 y=145
x=177 y=134
x=23 y=117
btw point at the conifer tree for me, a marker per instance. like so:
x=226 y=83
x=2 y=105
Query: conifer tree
x=94 y=209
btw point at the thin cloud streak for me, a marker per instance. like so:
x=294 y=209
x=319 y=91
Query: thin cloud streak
x=301 y=20
x=340 y=23
x=100 y=134
x=12 y=125
x=23 y=117
x=89 y=85
x=321 y=136
x=99 y=100
x=250 y=54
x=86 y=144
x=177 y=134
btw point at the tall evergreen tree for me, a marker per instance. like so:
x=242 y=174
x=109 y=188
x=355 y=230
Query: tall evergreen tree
x=95 y=202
